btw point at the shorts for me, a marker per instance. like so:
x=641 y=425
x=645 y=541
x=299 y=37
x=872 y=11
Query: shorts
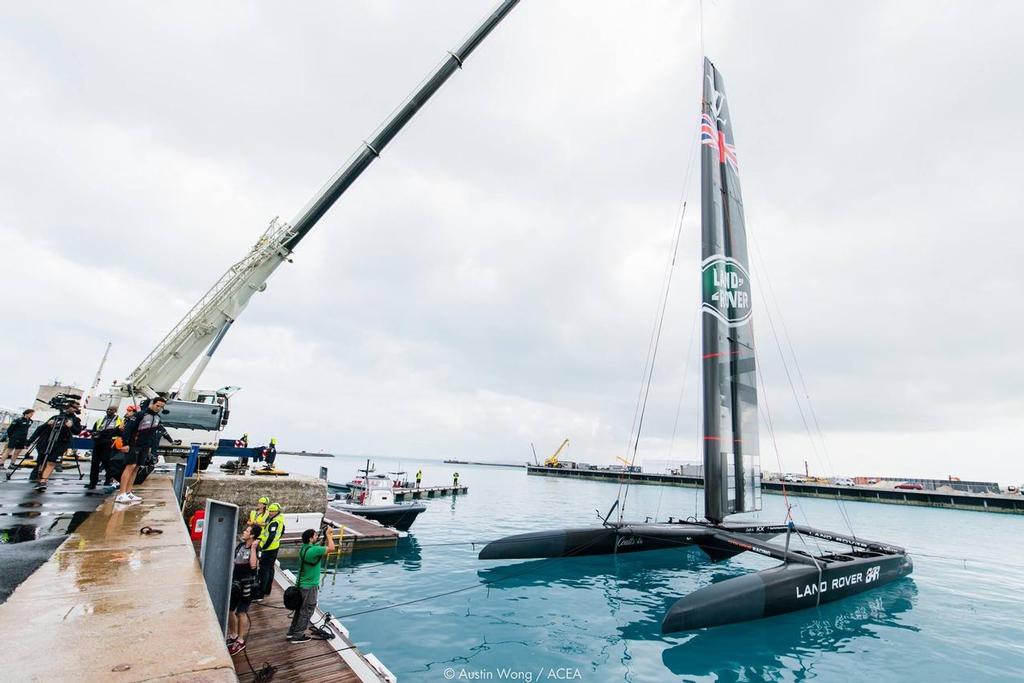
x=135 y=456
x=242 y=594
x=55 y=456
x=240 y=605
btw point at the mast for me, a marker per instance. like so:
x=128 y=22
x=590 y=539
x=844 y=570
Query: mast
x=732 y=472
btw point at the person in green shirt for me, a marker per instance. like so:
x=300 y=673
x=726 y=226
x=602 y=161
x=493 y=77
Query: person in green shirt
x=308 y=581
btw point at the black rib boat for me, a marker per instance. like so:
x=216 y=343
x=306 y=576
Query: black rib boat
x=732 y=472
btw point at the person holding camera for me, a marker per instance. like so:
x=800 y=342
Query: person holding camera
x=103 y=433
x=53 y=438
x=142 y=435
x=308 y=582
x=17 y=438
x=243 y=585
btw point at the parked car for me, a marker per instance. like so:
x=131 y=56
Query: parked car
x=910 y=486
x=794 y=478
x=844 y=482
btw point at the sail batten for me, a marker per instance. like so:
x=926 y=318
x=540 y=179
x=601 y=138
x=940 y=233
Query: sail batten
x=732 y=472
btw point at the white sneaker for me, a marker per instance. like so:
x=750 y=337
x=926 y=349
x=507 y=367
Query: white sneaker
x=122 y=498
x=132 y=496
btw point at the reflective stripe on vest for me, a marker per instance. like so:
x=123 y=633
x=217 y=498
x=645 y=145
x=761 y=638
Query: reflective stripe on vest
x=275 y=542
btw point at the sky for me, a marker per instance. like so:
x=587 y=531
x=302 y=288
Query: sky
x=493 y=279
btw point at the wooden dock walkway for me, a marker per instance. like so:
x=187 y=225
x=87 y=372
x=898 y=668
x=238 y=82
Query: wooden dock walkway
x=360 y=532
x=428 y=492
x=317 y=661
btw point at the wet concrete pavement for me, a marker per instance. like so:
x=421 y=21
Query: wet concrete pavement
x=112 y=604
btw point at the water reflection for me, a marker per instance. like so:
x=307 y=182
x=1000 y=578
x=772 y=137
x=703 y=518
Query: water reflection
x=766 y=649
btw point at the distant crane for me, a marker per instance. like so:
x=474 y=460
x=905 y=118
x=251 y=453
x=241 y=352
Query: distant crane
x=552 y=461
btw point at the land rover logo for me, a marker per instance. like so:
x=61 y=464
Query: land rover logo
x=726 y=290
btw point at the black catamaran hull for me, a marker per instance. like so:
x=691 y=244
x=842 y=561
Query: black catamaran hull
x=623 y=538
x=786 y=588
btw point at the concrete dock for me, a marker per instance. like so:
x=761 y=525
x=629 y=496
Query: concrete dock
x=957 y=500
x=112 y=604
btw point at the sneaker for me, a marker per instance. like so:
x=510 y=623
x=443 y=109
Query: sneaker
x=40 y=487
x=236 y=647
x=122 y=498
x=230 y=640
x=132 y=496
x=301 y=638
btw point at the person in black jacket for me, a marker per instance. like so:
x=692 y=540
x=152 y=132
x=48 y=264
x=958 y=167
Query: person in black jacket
x=142 y=435
x=52 y=440
x=17 y=438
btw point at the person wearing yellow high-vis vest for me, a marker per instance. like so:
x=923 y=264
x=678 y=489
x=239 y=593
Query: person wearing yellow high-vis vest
x=270 y=541
x=260 y=514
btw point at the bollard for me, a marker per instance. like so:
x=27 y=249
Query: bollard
x=216 y=555
x=193 y=460
x=179 y=482
x=323 y=473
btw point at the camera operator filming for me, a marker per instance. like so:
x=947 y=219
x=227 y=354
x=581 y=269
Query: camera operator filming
x=53 y=437
x=308 y=582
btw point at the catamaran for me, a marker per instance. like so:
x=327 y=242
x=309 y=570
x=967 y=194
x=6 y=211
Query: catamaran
x=732 y=472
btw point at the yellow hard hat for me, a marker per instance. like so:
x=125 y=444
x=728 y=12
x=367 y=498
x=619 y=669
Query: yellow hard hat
x=264 y=500
x=274 y=507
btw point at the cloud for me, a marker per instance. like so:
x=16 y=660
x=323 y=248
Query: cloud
x=492 y=280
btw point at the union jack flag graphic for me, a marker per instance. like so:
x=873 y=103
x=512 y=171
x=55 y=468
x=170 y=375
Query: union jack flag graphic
x=710 y=135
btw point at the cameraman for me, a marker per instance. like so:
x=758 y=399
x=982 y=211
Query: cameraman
x=53 y=438
x=310 y=555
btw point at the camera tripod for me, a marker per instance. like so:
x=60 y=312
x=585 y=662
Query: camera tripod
x=41 y=461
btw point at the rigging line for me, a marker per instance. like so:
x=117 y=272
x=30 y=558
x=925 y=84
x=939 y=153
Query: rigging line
x=484 y=582
x=652 y=352
x=767 y=415
x=654 y=355
x=767 y=305
x=679 y=403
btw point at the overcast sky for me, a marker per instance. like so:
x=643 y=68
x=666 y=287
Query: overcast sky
x=492 y=280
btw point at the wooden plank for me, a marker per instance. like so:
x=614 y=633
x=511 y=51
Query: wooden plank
x=266 y=643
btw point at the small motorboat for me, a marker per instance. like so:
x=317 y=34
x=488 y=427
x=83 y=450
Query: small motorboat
x=371 y=496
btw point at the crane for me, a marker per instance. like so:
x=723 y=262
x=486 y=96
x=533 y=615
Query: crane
x=198 y=334
x=552 y=460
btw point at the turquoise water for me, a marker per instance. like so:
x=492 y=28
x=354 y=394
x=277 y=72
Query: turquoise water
x=598 y=618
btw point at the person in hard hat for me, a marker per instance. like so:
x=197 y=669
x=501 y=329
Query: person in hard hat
x=259 y=515
x=419 y=477
x=455 y=479
x=270 y=542
x=271 y=454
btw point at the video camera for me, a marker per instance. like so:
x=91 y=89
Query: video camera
x=325 y=524
x=62 y=401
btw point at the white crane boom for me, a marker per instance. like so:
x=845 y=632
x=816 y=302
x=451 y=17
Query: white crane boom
x=204 y=326
x=218 y=308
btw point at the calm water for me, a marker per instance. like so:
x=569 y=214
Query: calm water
x=598 y=618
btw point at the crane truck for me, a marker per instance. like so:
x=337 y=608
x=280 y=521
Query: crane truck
x=197 y=415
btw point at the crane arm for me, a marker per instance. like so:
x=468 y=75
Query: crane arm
x=552 y=461
x=206 y=323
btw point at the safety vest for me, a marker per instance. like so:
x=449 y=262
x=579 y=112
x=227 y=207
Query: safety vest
x=258 y=518
x=118 y=423
x=275 y=526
